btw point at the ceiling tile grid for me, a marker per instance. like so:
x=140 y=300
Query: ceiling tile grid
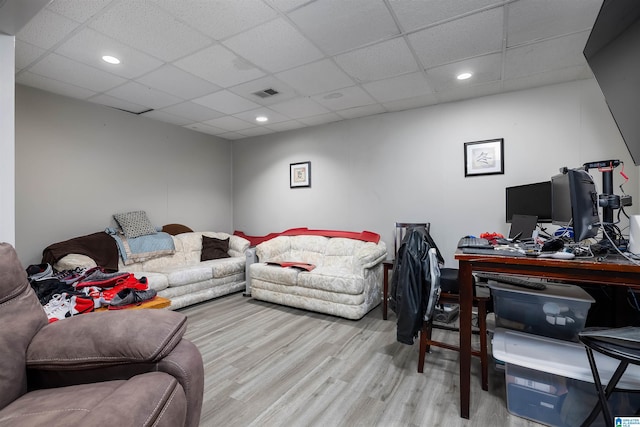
x=213 y=66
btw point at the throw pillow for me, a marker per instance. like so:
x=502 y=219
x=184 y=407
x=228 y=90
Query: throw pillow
x=134 y=224
x=213 y=248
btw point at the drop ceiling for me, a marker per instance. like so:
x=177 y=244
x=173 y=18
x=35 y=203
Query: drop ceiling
x=208 y=64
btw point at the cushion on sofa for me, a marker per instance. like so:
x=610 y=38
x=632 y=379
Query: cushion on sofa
x=134 y=224
x=213 y=248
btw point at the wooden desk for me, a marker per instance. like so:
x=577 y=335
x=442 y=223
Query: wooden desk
x=613 y=271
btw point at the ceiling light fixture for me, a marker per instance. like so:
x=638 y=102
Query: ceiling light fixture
x=262 y=119
x=110 y=59
x=464 y=76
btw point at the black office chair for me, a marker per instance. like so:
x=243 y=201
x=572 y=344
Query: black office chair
x=622 y=344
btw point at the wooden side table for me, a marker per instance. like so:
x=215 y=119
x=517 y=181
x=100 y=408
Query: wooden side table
x=157 y=302
x=387 y=265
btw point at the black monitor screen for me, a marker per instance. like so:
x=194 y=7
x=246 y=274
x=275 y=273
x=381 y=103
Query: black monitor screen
x=584 y=205
x=560 y=200
x=575 y=203
x=530 y=199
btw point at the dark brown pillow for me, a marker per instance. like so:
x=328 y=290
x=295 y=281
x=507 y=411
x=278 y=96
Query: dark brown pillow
x=213 y=248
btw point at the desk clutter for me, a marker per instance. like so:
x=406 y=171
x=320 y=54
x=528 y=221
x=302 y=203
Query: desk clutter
x=547 y=373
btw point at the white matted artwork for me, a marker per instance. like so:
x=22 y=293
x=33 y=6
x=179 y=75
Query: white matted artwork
x=300 y=175
x=484 y=157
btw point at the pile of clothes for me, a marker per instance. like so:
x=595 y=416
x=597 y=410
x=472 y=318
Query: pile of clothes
x=71 y=292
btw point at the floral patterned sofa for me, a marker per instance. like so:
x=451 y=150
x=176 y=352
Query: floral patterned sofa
x=335 y=275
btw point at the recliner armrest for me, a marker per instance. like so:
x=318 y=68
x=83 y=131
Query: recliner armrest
x=106 y=339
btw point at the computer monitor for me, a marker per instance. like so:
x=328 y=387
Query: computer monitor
x=575 y=202
x=529 y=199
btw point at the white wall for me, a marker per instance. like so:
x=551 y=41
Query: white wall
x=370 y=172
x=78 y=163
x=7 y=137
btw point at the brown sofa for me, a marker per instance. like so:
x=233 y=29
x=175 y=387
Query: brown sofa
x=125 y=368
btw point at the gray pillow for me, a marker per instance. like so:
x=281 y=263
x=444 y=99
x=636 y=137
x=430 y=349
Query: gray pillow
x=134 y=224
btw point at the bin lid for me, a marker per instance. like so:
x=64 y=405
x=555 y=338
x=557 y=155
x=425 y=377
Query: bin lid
x=564 y=358
x=553 y=290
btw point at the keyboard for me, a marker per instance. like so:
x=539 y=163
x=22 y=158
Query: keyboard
x=492 y=251
x=522 y=282
x=474 y=242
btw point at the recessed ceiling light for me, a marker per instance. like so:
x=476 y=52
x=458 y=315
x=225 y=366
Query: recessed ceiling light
x=262 y=119
x=464 y=76
x=110 y=59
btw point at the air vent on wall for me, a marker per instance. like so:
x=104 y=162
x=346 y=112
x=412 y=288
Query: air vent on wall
x=266 y=93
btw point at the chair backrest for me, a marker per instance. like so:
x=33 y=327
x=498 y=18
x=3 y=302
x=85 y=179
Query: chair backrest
x=401 y=230
x=432 y=291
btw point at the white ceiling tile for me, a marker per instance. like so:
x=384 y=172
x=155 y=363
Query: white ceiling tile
x=232 y=135
x=250 y=116
x=473 y=35
x=167 y=118
x=395 y=88
x=227 y=102
x=410 y=103
x=535 y=20
x=485 y=69
x=204 y=128
x=178 y=82
x=319 y=77
x=386 y=59
x=229 y=123
x=150 y=29
x=299 y=107
x=274 y=46
x=78 y=10
x=220 y=18
x=193 y=111
x=367 y=110
x=89 y=46
x=555 y=53
x=255 y=131
x=59 y=68
x=145 y=95
x=282 y=126
x=220 y=66
x=46 y=29
x=344 y=98
x=547 y=78
x=118 y=103
x=418 y=14
x=321 y=119
x=248 y=89
x=338 y=25
x=457 y=94
x=288 y=5
x=54 y=86
x=26 y=53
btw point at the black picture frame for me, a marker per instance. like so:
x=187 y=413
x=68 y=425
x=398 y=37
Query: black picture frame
x=300 y=175
x=484 y=157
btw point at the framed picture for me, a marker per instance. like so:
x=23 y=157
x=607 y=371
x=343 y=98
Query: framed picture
x=300 y=175
x=484 y=157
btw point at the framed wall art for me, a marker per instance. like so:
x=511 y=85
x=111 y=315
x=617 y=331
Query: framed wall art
x=484 y=157
x=300 y=175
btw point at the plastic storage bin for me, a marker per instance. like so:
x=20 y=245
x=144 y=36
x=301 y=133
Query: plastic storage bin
x=549 y=381
x=559 y=311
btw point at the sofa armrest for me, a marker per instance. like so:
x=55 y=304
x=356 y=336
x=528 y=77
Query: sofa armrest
x=106 y=339
x=372 y=254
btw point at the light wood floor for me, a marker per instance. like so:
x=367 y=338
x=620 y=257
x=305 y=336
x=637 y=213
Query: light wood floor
x=268 y=365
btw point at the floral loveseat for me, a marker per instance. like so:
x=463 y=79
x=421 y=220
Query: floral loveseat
x=180 y=275
x=343 y=276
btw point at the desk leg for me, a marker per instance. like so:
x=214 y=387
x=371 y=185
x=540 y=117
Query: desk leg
x=466 y=303
x=385 y=289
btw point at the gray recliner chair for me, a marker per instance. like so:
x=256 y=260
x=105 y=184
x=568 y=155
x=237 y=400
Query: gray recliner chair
x=125 y=368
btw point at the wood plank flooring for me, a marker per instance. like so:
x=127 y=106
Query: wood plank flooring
x=269 y=365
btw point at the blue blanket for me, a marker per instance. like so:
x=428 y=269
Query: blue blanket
x=143 y=248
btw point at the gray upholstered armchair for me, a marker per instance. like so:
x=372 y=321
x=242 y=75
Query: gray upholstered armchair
x=125 y=368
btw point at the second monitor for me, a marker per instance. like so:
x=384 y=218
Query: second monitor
x=575 y=203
